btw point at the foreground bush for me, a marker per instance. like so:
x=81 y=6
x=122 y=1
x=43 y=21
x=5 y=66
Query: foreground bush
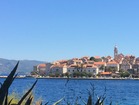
x=5 y=88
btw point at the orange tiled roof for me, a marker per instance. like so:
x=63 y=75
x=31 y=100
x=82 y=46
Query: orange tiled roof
x=85 y=57
x=91 y=65
x=73 y=65
x=42 y=65
x=99 y=63
x=97 y=57
x=108 y=57
x=57 y=65
x=77 y=60
x=106 y=73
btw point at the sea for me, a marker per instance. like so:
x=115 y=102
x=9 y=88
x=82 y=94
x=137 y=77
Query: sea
x=119 y=92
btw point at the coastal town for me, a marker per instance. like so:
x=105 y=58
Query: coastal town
x=118 y=66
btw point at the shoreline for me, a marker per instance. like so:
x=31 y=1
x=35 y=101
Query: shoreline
x=86 y=78
x=74 y=78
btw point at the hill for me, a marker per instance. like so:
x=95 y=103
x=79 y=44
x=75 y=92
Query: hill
x=25 y=66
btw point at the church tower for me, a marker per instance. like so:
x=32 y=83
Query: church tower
x=115 y=52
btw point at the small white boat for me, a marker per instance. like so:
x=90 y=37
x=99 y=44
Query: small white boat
x=21 y=76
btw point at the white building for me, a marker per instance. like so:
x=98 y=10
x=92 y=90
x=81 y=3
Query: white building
x=60 y=69
x=92 y=69
x=100 y=65
x=75 y=61
x=88 y=68
x=41 y=69
x=72 y=68
x=113 y=64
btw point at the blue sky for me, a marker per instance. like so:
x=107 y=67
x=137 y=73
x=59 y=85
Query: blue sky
x=50 y=30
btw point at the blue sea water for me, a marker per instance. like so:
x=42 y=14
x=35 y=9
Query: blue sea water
x=121 y=92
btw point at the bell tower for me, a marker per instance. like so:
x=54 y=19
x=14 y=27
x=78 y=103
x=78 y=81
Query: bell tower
x=115 y=52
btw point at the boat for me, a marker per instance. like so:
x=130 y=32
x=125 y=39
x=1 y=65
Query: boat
x=21 y=76
x=3 y=76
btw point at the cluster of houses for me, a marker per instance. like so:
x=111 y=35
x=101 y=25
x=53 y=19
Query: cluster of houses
x=93 y=65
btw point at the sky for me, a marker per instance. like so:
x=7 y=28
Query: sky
x=50 y=30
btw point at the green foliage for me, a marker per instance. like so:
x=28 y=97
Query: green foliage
x=95 y=60
x=34 y=73
x=22 y=99
x=14 y=97
x=81 y=74
x=92 y=59
x=100 y=99
x=124 y=74
x=111 y=69
x=102 y=67
x=52 y=75
x=55 y=75
x=5 y=87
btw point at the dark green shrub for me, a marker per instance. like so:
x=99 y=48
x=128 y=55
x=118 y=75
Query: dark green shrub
x=5 y=87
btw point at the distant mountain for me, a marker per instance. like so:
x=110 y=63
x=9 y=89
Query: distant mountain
x=25 y=66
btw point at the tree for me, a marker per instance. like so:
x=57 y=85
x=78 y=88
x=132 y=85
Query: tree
x=111 y=69
x=102 y=67
x=89 y=74
x=34 y=73
x=92 y=58
x=76 y=74
x=124 y=74
x=57 y=74
x=95 y=60
x=103 y=58
x=66 y=74
x=83 y=74
x=98 y=74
